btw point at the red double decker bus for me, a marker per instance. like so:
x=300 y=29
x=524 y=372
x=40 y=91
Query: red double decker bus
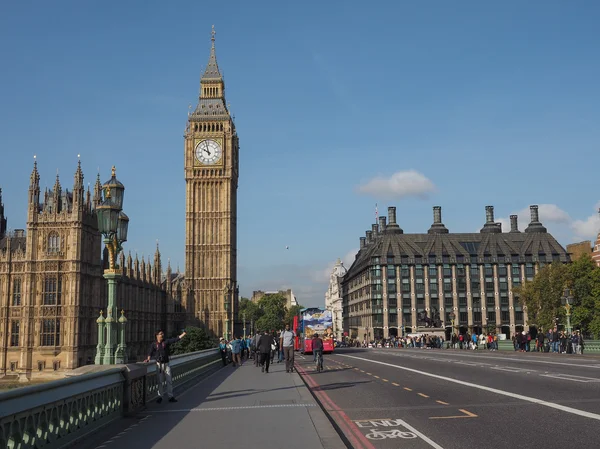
x=311 y=321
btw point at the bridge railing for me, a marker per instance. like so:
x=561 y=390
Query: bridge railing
x=57 y=413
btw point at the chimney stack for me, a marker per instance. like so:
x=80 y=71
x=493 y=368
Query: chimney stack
x=489 y=214
x=489 y=225
x=392 y=226
x=535 y=218
x=437 y=215
x=514 y=226
x=362 y=242
x=369 y=237
x=381 y=224
x=392 y=216
x=437 y=227
x=535 y=225
x=375 y=230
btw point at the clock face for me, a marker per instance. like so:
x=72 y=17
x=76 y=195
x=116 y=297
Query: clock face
x=208 y=152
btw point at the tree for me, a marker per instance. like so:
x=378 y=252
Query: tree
x=291 y=313
x=250 y=310
x=584 y=282
x=196 y=339
x=273 y=312
x=542 y=295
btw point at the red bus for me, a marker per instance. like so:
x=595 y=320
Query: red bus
x=311 y=321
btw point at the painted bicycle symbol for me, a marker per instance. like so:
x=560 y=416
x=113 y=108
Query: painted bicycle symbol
x=383 y=434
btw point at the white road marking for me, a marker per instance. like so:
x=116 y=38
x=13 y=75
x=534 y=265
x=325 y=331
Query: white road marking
x=596 y=366
x=563 y=408
x=419 y=434
x=505 y=368
x=572 y=377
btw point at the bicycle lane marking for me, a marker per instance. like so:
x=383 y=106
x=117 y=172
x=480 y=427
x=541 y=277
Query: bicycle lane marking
x=401 y=430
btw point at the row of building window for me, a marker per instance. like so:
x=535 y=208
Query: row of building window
x=208 y=127
x=51 y=291
x=40 y=364
x=49 y=336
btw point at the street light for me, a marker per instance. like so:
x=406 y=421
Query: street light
x=567 y=301
x=113 y=224
x=227 y=302
x=452 y=316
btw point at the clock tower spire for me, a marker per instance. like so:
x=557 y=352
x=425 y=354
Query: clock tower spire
x=211 y=175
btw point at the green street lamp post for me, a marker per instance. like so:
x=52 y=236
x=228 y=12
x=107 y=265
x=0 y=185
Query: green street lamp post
x=567 y=301
x=113 y=224
x=227 y=303
x=452 y=316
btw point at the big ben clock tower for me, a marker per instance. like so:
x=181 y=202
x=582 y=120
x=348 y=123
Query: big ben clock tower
x=211 y=176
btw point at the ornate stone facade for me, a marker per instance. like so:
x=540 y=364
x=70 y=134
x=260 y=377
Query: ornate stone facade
x=333 y=298
x=404 y=282
x=51 y=286
x=211 y=175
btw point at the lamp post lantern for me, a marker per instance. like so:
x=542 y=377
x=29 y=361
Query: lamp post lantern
x=113 y=224
x=567 y=301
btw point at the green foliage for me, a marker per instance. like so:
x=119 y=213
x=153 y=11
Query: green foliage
x=291 y=313
x=543 y=295
x=249 y=310
x=196 y=339
x=273 y=312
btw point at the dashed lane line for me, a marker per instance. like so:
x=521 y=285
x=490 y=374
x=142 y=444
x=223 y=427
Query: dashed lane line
x=530 y=399
x=442 y=402
x=408 y=389
x=395 y=384
x=423 y=395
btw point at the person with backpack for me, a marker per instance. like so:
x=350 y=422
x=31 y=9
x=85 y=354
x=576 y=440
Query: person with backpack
x=160 y=351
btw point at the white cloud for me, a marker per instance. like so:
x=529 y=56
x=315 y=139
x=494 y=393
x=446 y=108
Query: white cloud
x=402 y=184
x=588 y=228
x=548 y=213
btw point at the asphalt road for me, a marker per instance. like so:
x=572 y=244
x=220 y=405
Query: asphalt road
x=417 y=398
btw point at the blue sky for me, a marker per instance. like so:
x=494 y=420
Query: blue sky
x=480 y=103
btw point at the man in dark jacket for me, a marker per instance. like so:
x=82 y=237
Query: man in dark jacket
x=160 y=351
x=264 y=348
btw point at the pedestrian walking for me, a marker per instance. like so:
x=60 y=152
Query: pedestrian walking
x=264 y=348
x=286 y=341
x=223 y=350
x=236 y=349
x=160 y=351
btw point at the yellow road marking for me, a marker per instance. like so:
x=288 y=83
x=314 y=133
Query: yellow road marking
x=376 y=377
x=408 y=389
x=369 y=374
x=385 y=380
x=395 y=384
x=356 y=369
x=467 y=414
x=423 y=395
x=442 y=402
x=362 y=371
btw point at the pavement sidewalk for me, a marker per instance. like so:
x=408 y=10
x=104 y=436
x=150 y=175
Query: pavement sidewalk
x=234 y=407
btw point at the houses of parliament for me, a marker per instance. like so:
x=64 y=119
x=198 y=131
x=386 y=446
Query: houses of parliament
x=51 y=273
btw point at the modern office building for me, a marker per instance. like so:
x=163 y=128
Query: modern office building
x=401 y=283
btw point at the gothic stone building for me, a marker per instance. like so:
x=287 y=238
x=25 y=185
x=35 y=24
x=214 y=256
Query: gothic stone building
x=211 y=161
x=403 y=282
x=52 y=289
x=333 y=298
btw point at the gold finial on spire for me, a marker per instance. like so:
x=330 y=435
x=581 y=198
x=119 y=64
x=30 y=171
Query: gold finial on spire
x=114 y=171
x=212 y=37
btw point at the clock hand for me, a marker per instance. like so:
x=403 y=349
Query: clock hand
x=207 y=150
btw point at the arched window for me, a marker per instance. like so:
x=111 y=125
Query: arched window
x=53 y=243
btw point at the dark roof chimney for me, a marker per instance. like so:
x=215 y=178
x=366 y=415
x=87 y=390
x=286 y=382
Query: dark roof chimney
x=382 y=224
x=369 y=235
x=535 y=225
x=489 y=225
x=362 y=242
x=437 y=227
x=392 y=225
x=514 y=225
x=375 y=230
